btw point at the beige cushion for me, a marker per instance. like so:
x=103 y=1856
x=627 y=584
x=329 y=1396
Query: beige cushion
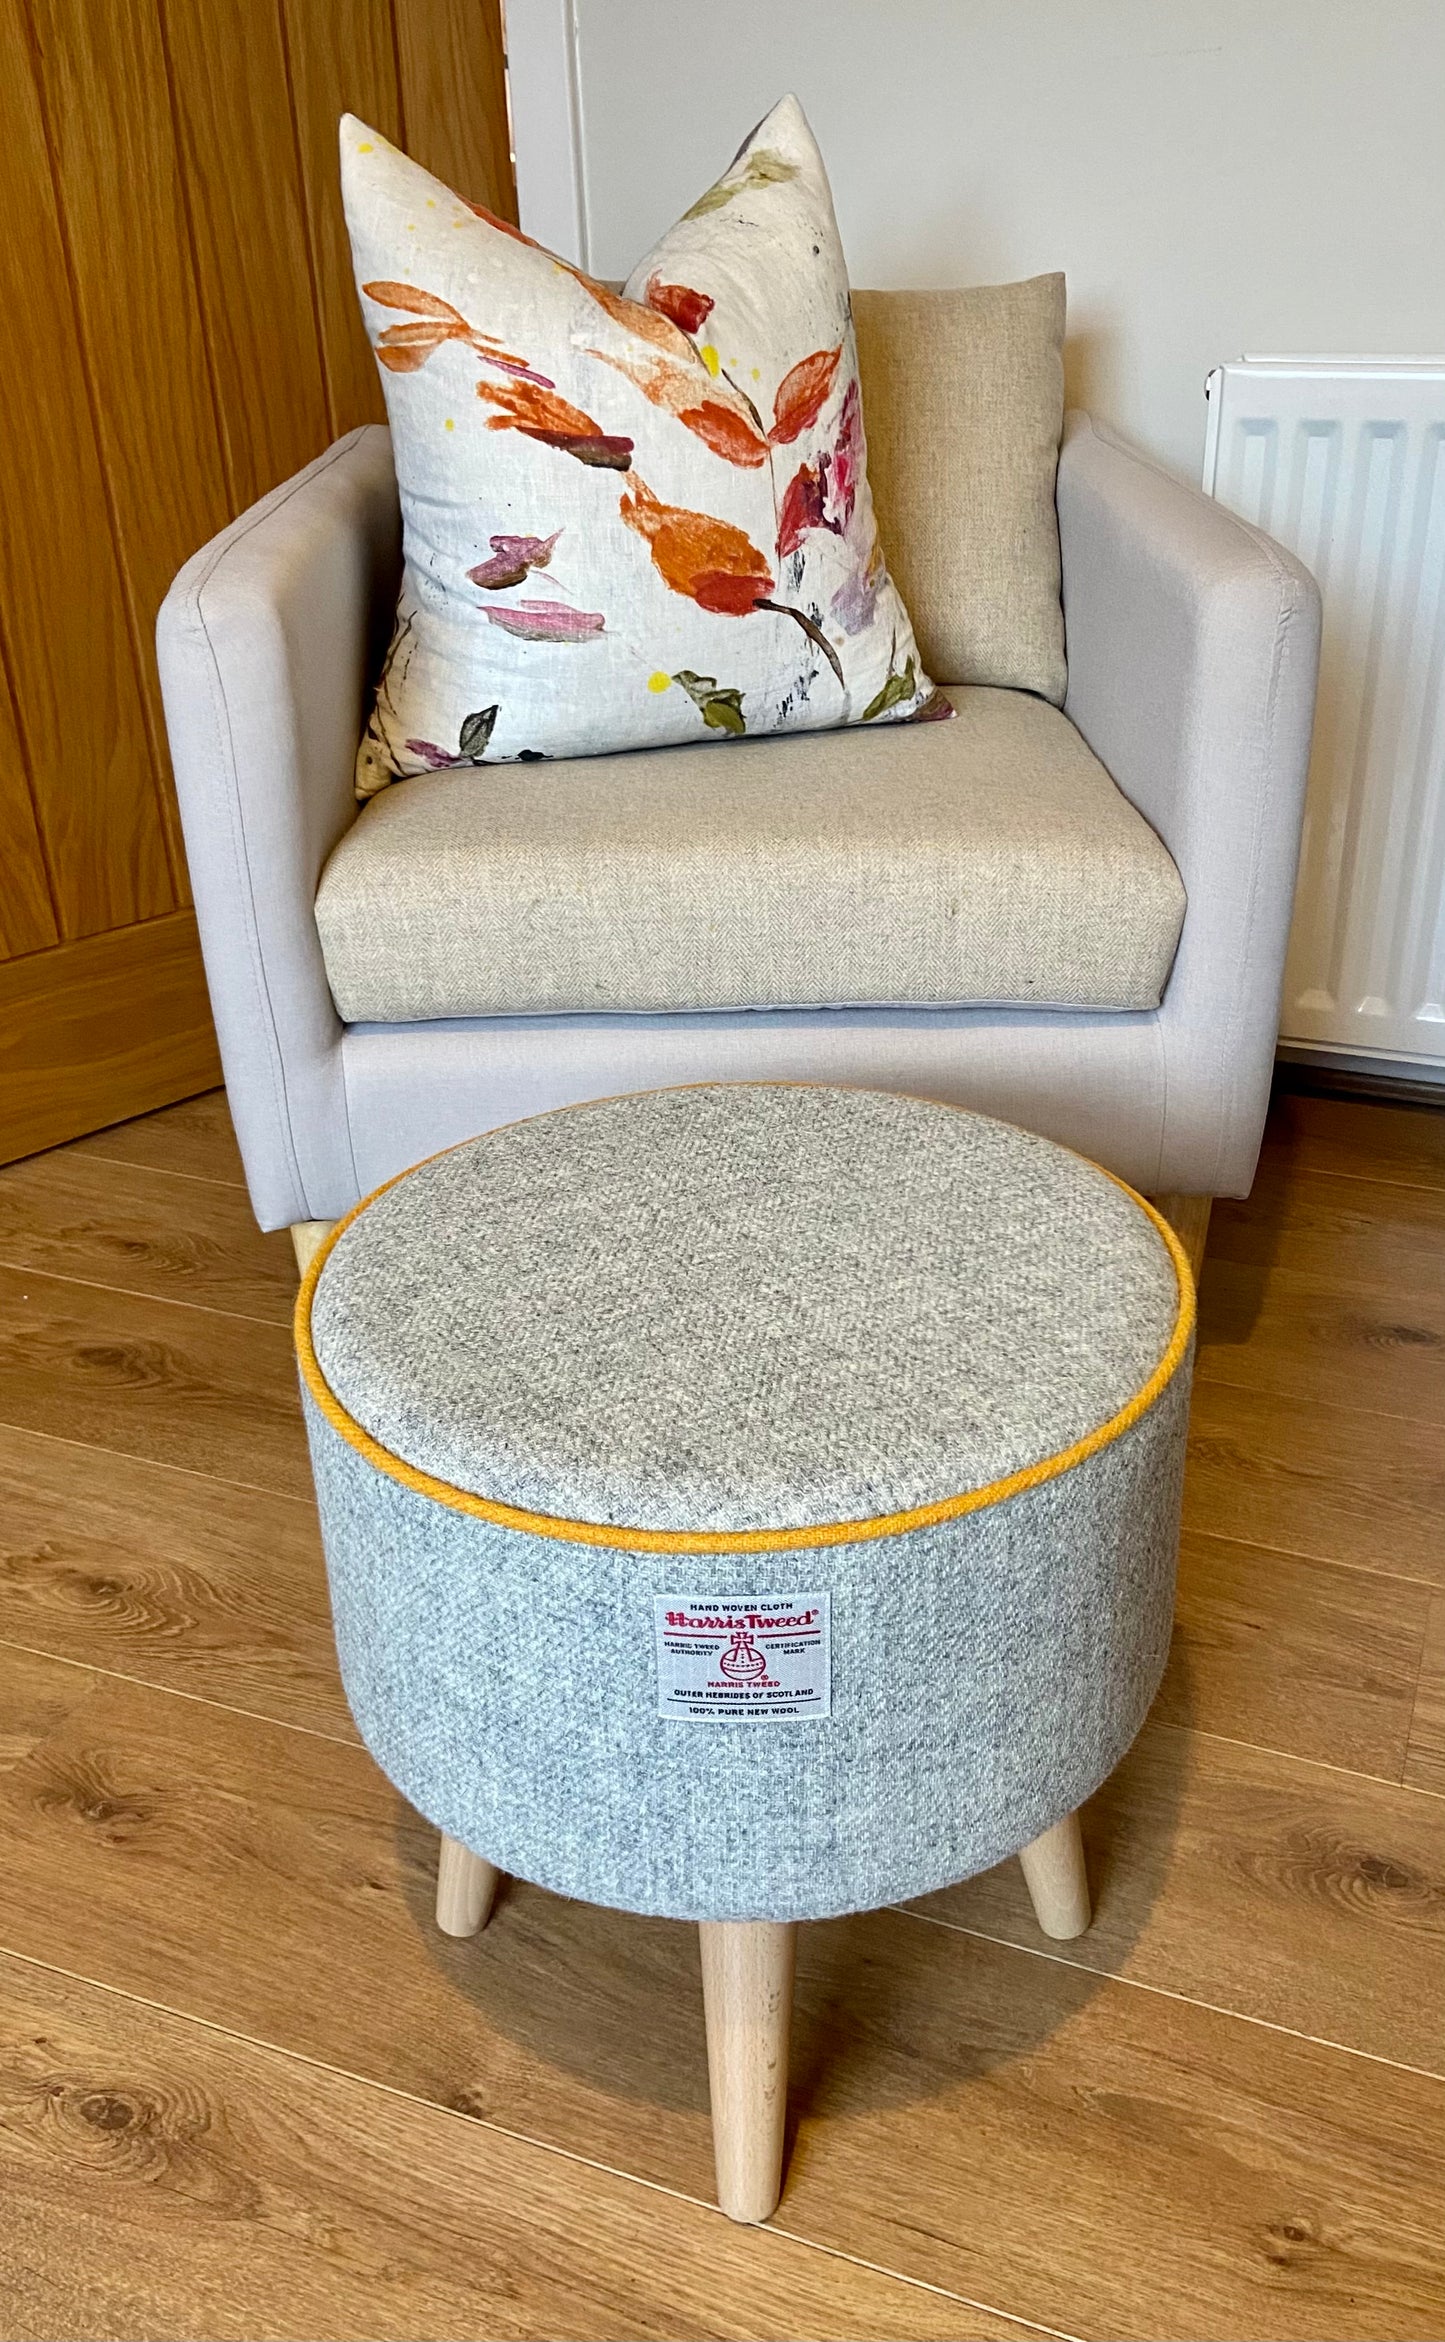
x=990 y=859
x=963 y=403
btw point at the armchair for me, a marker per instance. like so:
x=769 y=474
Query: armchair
x=1192 y=650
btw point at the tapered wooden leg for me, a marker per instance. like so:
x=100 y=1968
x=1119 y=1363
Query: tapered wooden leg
x=466 y=1889
x=1188 y=1216
x=306 y=1236
x=747 y=1991
x=1055 y=1877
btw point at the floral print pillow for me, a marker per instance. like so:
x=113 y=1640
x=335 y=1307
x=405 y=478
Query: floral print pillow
x=631 y=518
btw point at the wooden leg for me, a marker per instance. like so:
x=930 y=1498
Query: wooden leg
x=1188 y=1216
x=1054 y=1874
x=747 y=1991
x=306 y=1236
x=466 y=1888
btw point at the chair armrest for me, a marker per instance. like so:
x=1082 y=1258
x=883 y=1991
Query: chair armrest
x=1193 y=646
x=267 y=643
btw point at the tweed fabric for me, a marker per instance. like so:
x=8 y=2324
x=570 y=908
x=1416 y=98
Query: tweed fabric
x=742 y=1306
x=965 y=399
x=988 y=1673
x=990 y=859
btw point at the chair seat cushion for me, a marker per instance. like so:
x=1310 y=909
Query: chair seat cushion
x=990 y=860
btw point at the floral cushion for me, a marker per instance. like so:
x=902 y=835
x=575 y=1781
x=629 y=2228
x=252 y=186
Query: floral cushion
x=629 y=518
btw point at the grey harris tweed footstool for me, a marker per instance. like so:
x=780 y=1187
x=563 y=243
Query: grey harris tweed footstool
x=750 y=1503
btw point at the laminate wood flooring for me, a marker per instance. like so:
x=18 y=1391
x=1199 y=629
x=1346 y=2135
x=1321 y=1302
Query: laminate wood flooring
x=247 y=2090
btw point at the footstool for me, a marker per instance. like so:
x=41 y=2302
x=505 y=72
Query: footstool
x=745 y=1504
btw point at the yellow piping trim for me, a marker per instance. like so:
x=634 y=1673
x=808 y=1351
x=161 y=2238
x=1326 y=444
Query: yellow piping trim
x=923 y=1516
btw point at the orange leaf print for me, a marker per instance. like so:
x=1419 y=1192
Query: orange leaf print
x=405 y=361
x=526 y=408
x=541 y=414
x=410 y=297
x=687 y=308
x=508 y=228
x=403 y=348
x=725 y=432
x=424 y=334
x=710 y=561
x=801 y=394
x=650 y=325
x=714 y=411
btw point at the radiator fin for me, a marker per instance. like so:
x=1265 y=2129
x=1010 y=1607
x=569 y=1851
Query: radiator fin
x=1344 y=462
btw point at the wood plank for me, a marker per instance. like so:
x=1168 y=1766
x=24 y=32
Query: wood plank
x=167 y=1577
x=1039 y=2138
x=1303 y=1896
x=1361 y=1234
x=118 y=178
x=232 y=98
x=1359 y=1137
x=161 y=2180
x=27 y=918
x=145 y=1378
x=452 y=62
x=1294 y=1655
x=71 y=648
x=112 y=1224
x=104 y=1027
x=191 y=1140
x=206 y=1859
x=1303 y=1477
x=1425 y=1760
x=1279 y=1331
x=39 y=1695
x=343 y=60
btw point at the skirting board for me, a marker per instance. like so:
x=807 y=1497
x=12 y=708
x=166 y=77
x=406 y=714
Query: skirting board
x=1337 y=1072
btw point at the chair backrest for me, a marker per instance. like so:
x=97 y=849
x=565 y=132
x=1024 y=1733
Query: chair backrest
x=963 y=403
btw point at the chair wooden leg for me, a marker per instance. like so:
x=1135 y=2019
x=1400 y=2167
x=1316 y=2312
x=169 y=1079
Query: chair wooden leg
x=747 y=1990
x=306 y=1237
x=466 y=1889
x=1058 y=1886
x=1188 y=1216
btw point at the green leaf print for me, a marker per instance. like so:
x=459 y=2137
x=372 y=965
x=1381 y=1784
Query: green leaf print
x=895 y=691
x=721 y=708
x=763 y=169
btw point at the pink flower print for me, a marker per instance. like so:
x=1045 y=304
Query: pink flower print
x=547 y=621
x=801 y=509
x=430 y=754
x=512 y=558
x=845 y=466
x=853 y=603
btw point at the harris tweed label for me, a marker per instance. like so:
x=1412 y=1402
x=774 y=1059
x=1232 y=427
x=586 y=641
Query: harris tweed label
x=753 y=1658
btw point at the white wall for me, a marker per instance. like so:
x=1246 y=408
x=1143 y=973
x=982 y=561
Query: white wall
x=1216 y=176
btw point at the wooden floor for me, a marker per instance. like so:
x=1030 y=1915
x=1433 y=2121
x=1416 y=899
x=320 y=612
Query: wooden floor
x=247 y=2090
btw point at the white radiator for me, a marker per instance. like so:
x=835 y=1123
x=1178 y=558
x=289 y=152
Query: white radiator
x=1343 y=460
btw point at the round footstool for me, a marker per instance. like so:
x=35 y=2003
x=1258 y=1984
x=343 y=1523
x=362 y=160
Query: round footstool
x=745 y=1504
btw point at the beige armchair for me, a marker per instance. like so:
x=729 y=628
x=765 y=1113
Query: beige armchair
x=439 y=996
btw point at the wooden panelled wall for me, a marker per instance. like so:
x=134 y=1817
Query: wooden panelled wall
x=180 y=333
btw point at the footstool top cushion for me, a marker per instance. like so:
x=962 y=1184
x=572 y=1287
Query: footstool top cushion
x=766 y=1308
